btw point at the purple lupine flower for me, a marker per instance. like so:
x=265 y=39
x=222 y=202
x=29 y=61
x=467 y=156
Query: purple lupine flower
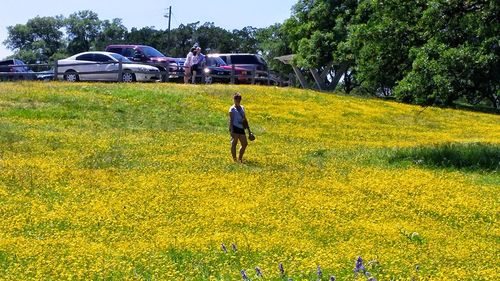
x=258 y=271
x=332 y=278
x=359 y=266
x=244 y=275
x=282 y=269
x=319 y=272
x=234 y=247
x=224 y=249
x=371 y=279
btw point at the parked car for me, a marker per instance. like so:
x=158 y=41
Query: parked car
x=148 y=55
x=218 y=71
x=45 y=75
x=248 y=62
x=76 y=68
x=14 y=69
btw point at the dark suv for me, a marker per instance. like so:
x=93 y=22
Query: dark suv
x=148 y=55
x=249 y=62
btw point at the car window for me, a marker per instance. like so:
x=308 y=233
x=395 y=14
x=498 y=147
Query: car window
x=19 y=62
x=120 y=58
x=86 y=57
x=115 y=50
x=102 y=58
x=129 y=52
x=152 y=52
x=224 y=58
x=262 y=61
x=215 y=61
x=244 y=59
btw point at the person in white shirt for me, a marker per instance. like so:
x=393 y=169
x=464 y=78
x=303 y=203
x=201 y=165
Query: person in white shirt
x=188 y=64
x=237 y=125
x=198 y=61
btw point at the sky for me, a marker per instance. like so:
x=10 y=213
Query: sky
x=228 y=14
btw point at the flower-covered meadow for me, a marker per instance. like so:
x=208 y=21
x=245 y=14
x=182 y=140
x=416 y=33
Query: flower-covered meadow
x=136 y=182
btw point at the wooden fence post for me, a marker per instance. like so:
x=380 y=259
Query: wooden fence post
x=167 y=69
x=56 y=70
x=254 y=72
x=120 y=71
x=232 y=73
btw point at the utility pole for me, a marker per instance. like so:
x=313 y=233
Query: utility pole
x=169 y=16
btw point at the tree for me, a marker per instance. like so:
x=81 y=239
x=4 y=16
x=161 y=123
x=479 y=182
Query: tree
x=82 y=28
x=274 y=42
x=37 y=40
x=318 y=30
x=182 y=39
x=245 y=40
x=381 y=42
x=112 y=32
x=214 y=38
x=460 y=59
x=147 y=36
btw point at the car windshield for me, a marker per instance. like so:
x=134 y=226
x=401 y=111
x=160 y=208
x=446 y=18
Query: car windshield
x=215 y=61
x=246 y=59
x=152 y=52
x=120 y=57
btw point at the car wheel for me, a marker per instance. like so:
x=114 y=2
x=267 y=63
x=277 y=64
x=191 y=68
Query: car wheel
x=128 y=77
x=71 y=76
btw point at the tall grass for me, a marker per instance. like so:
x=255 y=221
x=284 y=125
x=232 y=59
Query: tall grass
x=466 y=156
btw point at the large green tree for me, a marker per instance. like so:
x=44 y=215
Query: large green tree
x=245 y=40
x=214 y=38
x=147 y=36
x=460 y=59
x=318 y=30
x=82 y=29
x=112 y=32
x=274 y=42
x=380 y=40
x=37 y=40
x=181 y=39
x=422 y=51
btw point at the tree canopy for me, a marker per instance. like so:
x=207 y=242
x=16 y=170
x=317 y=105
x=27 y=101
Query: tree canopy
x=422 y=51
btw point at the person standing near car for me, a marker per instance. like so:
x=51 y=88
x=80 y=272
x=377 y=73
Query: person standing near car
x=188 y=64
x=198 y=61
x=237 y=124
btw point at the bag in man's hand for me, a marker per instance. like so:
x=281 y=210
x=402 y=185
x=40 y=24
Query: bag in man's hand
x=251 y=136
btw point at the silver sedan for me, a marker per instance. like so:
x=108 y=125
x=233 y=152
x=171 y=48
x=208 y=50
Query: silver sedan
x=104 y=66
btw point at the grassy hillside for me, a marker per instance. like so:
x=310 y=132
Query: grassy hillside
x=136 y=181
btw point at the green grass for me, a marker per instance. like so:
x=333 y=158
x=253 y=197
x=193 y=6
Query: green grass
x=460 y=156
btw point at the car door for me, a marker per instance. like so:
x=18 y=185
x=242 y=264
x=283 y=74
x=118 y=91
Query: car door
x=85 y=63
x=106 y=65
